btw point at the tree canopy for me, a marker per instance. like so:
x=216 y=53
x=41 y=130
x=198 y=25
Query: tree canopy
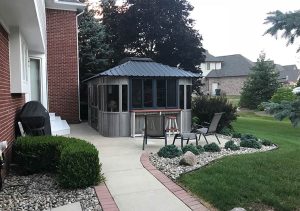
x=261 y=84
x=288 y=23
x=158 y=29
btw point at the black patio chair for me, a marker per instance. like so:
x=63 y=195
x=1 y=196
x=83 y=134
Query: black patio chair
x=208 y=129
x=154 y=128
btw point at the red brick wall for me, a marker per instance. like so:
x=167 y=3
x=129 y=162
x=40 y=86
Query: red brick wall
x=9 y=104
x=62 y=64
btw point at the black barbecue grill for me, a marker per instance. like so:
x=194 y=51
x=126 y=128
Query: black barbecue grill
x=35 y=119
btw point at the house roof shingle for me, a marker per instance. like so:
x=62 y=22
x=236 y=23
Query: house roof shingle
x=232 y=65
x=238 y=65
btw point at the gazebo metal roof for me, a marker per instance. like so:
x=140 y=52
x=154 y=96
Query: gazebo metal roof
x=145 y=67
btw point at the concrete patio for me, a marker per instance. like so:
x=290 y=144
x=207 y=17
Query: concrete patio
x=132 y=186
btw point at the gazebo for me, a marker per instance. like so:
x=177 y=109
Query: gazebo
x=120 y=97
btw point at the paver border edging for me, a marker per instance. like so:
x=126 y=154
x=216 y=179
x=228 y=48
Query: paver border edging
x=106 y=200
x=190 y=201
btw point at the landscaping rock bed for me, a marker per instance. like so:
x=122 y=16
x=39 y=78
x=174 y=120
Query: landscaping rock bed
x=41 y=192
x=172 y=169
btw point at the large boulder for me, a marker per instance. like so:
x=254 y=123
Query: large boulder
x=188 y=159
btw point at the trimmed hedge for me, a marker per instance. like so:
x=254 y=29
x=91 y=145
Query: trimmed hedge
x=75 y=161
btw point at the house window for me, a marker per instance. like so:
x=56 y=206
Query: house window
x=181 y=96
x=171 y=93
x=148 y=90
x=124 y=98
x=188 y=97
x=161 y=93
x=137 y=87
x=208 y=66
x=111 y=98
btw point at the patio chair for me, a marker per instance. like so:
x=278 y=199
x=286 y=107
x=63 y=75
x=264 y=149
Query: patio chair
x=210 y=128
x=154 y=128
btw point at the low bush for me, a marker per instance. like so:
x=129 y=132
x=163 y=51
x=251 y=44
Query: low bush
x=190 y=148
x=283 y=94
x=231 y=145
x=169 y=151
x=75 y=161
x=236 y=135
x=213 y=147
x=266 y=142
x=227 y=131
x=250 y=143
x=248 y=136
x=204 y=108
x=200 y=149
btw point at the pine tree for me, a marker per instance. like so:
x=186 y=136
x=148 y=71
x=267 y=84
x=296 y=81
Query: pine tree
x=286 y=22
x=261 y=84
x=94 y=52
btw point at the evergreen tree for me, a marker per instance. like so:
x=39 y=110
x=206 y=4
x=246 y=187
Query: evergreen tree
x=288 y=22
x=94 y=52
x=298 y=83
x=261 y=84
x=159 y=29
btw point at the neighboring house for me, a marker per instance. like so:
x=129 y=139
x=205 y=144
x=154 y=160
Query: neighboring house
x=39 y=61
x=228 y=73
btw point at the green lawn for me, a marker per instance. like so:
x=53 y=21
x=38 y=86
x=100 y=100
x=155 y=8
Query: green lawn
x=234 y=99
x=260 y=180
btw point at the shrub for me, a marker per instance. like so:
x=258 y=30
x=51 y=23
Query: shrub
x=250 y=143
x=231 y=145
x=204 y=108
x=200 y=149
x=169 y=151
x=79 y=165
x=75 y=161
x=248 y=136
x=261 y=107
x=226 y=131
x=213 y=147
x=190 y=148
x=283 y=94
x=266 y=142
x=236 y=135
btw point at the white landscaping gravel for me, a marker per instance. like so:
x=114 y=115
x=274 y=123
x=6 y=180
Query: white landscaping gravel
x=172 y=169
x=41 y=192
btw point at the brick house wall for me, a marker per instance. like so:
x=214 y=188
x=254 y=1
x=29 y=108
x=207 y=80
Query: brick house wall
x=62 y=64
x=228 y=85
x=10 y=104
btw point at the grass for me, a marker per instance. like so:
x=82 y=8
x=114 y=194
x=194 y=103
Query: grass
x=257 y=180
x=234 y=99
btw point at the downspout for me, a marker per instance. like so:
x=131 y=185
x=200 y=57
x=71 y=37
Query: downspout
x=79 y=113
